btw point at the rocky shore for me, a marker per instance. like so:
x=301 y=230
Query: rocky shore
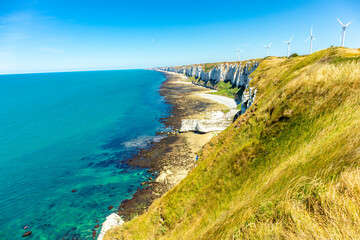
x=170 y=159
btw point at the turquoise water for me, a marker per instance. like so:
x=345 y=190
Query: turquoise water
x=65 y=131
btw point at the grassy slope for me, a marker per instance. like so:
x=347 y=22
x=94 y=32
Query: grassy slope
x=288 y=168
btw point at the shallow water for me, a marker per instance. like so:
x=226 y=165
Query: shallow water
x=65 y=131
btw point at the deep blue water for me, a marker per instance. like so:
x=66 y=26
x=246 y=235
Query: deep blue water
x=64 y=131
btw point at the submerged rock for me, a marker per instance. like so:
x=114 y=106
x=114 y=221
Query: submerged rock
x=111 y=221
x=110 y=207
x=27 y=234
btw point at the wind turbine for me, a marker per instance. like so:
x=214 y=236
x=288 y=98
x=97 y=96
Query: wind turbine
x=343 y=30
x=238 y=52
x=310 y=38
x=288 y=43
x=268 y=47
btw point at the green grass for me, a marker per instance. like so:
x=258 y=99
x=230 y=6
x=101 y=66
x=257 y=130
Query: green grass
x=208 y=66
x=338 y=60
x=191 y=79
x=226 y=89
x=286 y=169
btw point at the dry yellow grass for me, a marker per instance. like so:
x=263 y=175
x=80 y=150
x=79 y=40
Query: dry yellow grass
x=286 y=169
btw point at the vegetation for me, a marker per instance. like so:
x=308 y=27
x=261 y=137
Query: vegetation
x=226 y=89
x=286 y=169
x=191 y=79
x=209 y=66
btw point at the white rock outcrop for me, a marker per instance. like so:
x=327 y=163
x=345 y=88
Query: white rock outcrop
x=248 y=97
x=171 y=177
x=162 y=178
x=111 y=221
x=213 y=122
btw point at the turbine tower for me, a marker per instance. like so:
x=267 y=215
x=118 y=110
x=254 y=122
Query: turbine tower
x=311 y=38
x=238 y=52
x=268 y=47
x=288 y=43
x=343 y=30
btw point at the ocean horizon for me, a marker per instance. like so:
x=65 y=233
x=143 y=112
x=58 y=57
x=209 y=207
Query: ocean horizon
x=65 y=138
x=72 y=71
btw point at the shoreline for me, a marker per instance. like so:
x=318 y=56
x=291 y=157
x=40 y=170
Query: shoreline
x=170 y=159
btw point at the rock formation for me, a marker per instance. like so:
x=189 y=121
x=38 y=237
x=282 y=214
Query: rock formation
x=111 y=221
x=213 y=122
x=236 y=73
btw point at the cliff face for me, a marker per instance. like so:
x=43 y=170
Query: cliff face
x=236 y=73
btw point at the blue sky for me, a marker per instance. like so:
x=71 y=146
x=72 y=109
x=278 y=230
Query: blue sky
x=43 y=35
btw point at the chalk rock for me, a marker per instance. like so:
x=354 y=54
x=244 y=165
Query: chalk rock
x=178 y=175
x=162 y=178
x=111 y=221
x=213 y=122
x=247 y=98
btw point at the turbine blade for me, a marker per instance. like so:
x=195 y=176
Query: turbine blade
x=270 y=44
x=340 y=22
x=314 y=38
x=311 y=30
x=291 y=38
x=349 y=23
x=264 y=45
x=285 y=41
x=307 y=39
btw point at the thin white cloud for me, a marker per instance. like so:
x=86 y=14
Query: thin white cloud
x=5 y=54
x=18 y=17
x=13 y=36
x=52 y=50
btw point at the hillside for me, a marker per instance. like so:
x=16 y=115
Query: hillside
x=288 y=168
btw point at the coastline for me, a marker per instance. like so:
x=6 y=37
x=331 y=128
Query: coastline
x=170 y=159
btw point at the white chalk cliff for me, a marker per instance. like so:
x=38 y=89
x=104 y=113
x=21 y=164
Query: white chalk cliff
x=236 y=73
x=111 y=221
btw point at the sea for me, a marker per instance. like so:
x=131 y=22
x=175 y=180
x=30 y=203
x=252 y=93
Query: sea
x=65 y=139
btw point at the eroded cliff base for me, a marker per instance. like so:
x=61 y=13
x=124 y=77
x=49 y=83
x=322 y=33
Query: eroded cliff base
x=174 y=156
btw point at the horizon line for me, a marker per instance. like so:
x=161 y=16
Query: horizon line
x=70 y=71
